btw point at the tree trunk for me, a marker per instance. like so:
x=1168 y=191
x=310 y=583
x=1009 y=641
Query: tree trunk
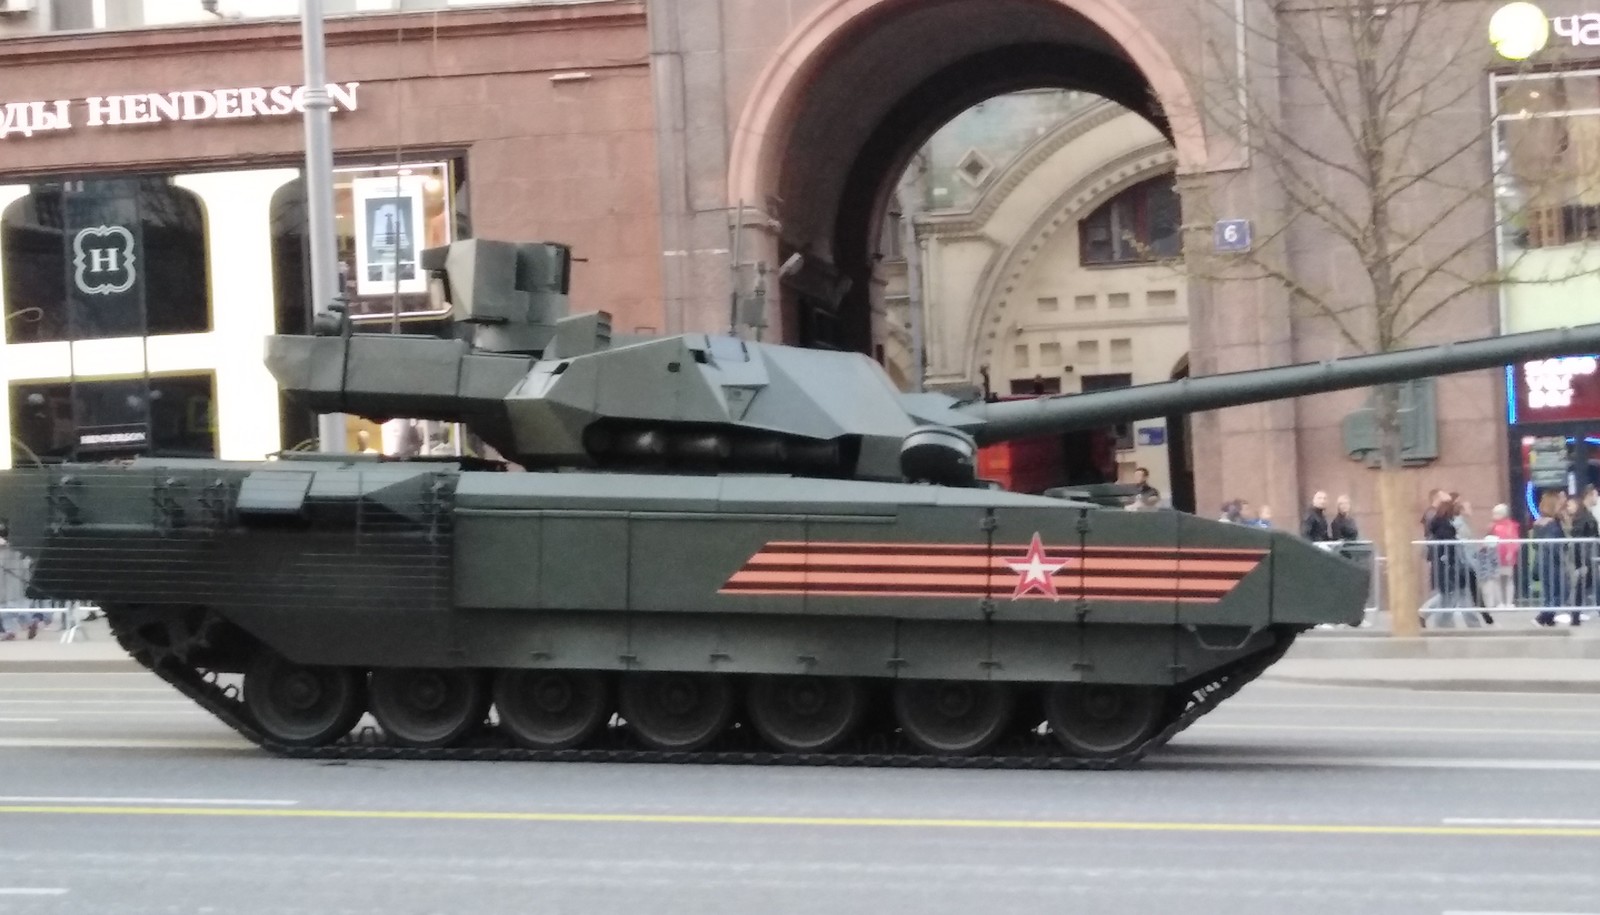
x=1400 y=583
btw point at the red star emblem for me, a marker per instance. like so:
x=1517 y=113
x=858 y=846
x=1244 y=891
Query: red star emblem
x=1035 y=571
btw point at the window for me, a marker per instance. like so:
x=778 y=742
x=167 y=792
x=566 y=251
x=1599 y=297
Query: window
x=1035 y=386
x=383 y=217
x=1049 y=303
x=1019 y=355
x=115 y=257
x=1122 y=350
x=1117 y=300
x=1161 y=298
x=1083 y=302
x=1050 y=353
x=1092 y=383
x=170 y=416
x=1138 y=225
x=1546 y=131
x=1089 y=351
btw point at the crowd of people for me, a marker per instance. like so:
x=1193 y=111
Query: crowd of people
x=1554 y=563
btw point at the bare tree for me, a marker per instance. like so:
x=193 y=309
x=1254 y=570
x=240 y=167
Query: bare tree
x=1367 y=118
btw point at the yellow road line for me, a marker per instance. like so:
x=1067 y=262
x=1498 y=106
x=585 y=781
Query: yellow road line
x=1354 y=829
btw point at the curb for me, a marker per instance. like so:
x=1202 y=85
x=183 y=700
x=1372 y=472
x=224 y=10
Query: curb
x=1444 y=684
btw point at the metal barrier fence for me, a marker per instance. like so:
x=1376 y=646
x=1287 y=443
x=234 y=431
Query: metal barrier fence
x=19 y=613
x=1551 y=580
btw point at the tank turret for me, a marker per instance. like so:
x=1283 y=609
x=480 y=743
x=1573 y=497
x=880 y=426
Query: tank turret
x=549 y=390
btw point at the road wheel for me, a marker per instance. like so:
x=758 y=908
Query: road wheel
x=428 y=707
x=805 y=714
x=1104 y=719
x=302 y=706
x=551 y=709
x=953 y=717
x=676 y=711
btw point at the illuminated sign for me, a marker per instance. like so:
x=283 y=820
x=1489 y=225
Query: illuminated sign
x=1519 y=30
x=249 y=103
x=1555 y=390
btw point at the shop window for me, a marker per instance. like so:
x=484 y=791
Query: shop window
x=92 y=258
x=402 y=209
x=1137 y=226
x=168 y=415
x=384 y=215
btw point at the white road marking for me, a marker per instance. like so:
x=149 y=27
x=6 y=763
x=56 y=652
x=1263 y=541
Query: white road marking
x=118 y=703
x=1375 y=762
x=79 y=674
x=1491 y=821
x=1425 y=709
x=30 y=720
x=13 y=690
x=154 y=743
x=1502 y=912
x=117 y=713
x=33 y=891
x=1586 y=733
x=172 y=801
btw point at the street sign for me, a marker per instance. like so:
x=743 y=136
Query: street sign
x=1152 y=435
x=1231 y=236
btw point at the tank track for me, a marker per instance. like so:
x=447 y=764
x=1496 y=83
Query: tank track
x=1030 y=751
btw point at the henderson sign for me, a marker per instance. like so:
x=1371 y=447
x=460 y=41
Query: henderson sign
x=29 y=118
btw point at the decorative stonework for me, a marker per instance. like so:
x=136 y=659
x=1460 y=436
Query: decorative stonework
x=1032 y=156
x=1077 y=201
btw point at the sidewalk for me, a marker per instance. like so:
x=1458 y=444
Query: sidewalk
x=1502 y=674
x=94 y=651
x=1509 y=660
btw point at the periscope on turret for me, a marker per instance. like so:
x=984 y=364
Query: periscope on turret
x=712 y=532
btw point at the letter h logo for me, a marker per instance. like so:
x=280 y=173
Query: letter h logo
x=103 y=260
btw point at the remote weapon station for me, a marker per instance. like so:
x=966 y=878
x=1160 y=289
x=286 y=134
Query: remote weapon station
x=721 y=550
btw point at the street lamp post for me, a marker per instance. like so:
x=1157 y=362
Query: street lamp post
x=319 y=192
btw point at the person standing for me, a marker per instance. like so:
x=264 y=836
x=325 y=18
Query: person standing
x=1549 y=564
x=1315 y=525
x=1445 y=559
x=1504 y=531
x=1343 y=526
x=1586 y=531
x=1475 y=558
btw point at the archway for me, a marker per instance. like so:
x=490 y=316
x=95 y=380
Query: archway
x=859 y=86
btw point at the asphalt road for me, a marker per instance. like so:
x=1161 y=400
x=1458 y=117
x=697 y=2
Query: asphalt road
x=116 y=796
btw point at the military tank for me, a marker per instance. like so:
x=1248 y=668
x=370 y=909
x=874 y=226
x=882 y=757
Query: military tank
x=697 y=548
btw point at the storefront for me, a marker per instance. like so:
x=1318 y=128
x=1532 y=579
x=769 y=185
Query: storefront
x=153 y=234
x=1547 y=181
x=1553 y=412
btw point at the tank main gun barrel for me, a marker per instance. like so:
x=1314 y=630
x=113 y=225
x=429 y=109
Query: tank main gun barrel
x=1066 y=412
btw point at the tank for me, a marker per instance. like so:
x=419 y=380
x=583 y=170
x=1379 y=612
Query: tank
x=695 y=548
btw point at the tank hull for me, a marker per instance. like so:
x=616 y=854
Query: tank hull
x=369 y=567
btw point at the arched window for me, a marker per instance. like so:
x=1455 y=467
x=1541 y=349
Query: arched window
x=120 y=257
x=1139 y=225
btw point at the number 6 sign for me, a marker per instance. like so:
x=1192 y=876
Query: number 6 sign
x=1231 y=235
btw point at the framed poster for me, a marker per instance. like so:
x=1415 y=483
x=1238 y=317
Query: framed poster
x=389 y=234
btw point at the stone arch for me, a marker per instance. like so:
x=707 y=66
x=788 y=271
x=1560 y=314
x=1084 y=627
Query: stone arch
x=1072 y=204
x=760 y=135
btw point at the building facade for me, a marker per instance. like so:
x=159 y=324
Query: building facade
x=662 y=136
x=154 y=217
